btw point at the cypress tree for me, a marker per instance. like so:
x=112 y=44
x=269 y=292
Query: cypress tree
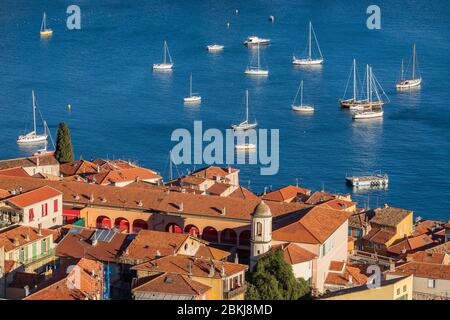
x=64 y=149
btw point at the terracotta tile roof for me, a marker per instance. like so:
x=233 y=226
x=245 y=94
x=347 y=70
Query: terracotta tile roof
x=428 y=257
x=192 y=180
x=185 y=265
x=123 y=175
x=358 y=220
x=357 y=274
x=424 y=270
x=17 y=236
x=315 y=226
x=379 y=236
x=14 y=172
x=172 y=284
x=218 y=188
x=31 y=197
x=243 y=193
x=319 y=197
x=287 y=193
x=447 y=225
x=338 y=204
x=427 y=226
x=76 y=193
x=78 y=167
x=61 y=286
x=10 y=265
x=80 y=245
x=389 y=216
x=442 y=248
x=22 y=279
x=411 y=244
x=207 y=251
x=212 y=171
x=336 y=266
x=147 y=242
x=293 y=254
x=44 y=160
x=4 y=194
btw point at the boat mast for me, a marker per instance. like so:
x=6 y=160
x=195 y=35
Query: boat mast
x=309 y=50
x=367 y=82
x=165 y=49
x=246 y=105
x=414 y=62
x=170 y=162
x=301 y=95
x=43 y=24
x=190 y=86
x=34 y=112
x=258 y=57
x=370 y=86
x=354 y=79
x=403 y=70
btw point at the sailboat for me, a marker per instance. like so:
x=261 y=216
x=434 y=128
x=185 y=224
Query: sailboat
x=45 y=31
x=245 y=125
x=370 y=112
x=410 y=83
x=164 y=65
x=355 y=104
x=301 y=107
x=193 y=97
x=33 y=137
x=309 y=60
x=257 y=71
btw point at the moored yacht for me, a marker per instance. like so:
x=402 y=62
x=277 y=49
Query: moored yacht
x=309 y=60
x=45 y=30
x=256 y=70
x=301 y=107
x=193 y=97
x=33 y=137
x=370 y=112
x=165 y=65
x=414 y=81
x=254 y=41
x=245 y=125
x=214 y=47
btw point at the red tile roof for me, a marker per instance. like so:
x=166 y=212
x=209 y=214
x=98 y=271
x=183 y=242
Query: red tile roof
x=428 y=257
x=336 y=265
x=17 y=236
x=218 y=188
x=123 y=175
x=338 y=204
x=32 y=197
x=424 y=270
x=293 y=254
x=174 y=284
x=379 y=236
x=390 y=216
x=287 y=193
x=212 y=171
x=44 y=160
x=185 y=265
x=319 y=197
x=315 y=226
x=14 y=172
x=78 y=167
x=352 y=275
x=411 y=244
x=243 y=193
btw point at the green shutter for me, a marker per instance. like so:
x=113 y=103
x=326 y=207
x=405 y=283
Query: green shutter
x=34 y=250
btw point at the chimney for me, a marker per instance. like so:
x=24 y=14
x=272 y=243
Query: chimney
x=140 y=203
x=91 y=198
x=27 y=237
x=181 y=207
x=386 y=205
x=391 y=265
x=27 y=290
x=16 y=241
x=229 y=169
x=223 y=211
x=137 y=179
x=222 y=273
x=37 y=161
x=158 y=254
x=103 y=199
x=39 y=230
x=236 y=258
x=350 y=279
x=98 y=168
x=211 y=270
x=76 y=197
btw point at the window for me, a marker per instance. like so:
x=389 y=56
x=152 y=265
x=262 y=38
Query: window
x=431 y=283
x=398 y=291
x=55 y=205
x=44 y=208
x=31 y=215
x=44 y=246
x=259 y=229
x=404 y=288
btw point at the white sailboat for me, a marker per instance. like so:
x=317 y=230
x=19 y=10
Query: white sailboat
x=214 y=47
x=410 y=83
x=193 y=97
x=164 y=65
x=32 y=137
x=370 y=112
x=309 y=60
x=45 y=30
x=257 y=71
x=301 y=107
x=245 y=125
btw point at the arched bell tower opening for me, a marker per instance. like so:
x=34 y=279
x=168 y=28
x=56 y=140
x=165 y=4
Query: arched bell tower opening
x=261 y=235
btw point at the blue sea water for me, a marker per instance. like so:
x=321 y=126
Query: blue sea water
x=121 y=109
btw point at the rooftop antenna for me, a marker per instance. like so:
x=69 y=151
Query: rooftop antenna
x=296 y=182
x=170 y=161
x=248 y=185
x=323 y=187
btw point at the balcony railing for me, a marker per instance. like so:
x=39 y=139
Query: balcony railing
x=235 y=292
x=42 y=256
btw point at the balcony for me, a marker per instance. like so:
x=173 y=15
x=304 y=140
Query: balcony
x=42 y=256
x=234 y=292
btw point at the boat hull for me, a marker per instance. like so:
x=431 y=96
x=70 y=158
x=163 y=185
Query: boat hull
x=368 y=115
x=408 y=84
x=303 y=109
x=46 y=33
x=306 y=62
x=214 y=48
x=363 y=104
x=243 y=127
x=163 y=66
x=243 y=147
x=31 y=139
x=258 y=73
x=193 y=99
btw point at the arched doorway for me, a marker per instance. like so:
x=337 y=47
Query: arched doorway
x=228 y=236
x=210 y=234
x=244 y=238
x=174 y=228
x=139 y=225
x=103 y=222
x=191 y=229
x=122 y=224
